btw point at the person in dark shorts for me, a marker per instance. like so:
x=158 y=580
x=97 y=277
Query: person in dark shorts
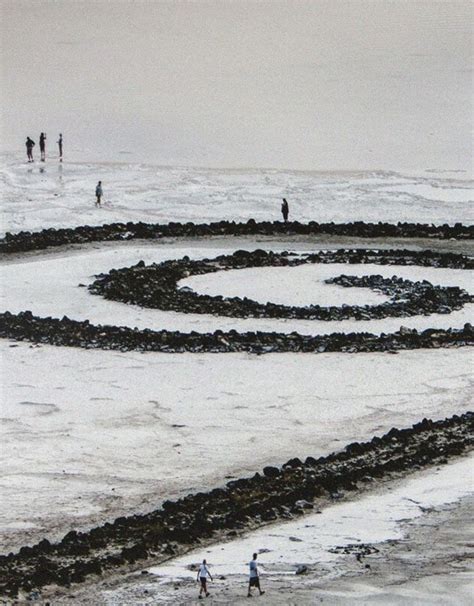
x=202 y=575
x=254 y=579
x=98 y=193
x=29 y=148
x=43 y=146
x=60 y=145
x=285 y=210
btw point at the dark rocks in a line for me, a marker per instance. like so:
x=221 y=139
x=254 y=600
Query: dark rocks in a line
x=28 y=241
x=65 y=332
x=242 y=504
x=156 y=286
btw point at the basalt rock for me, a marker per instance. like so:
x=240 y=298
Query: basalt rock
x=28 y=241
x=156 y=286
x=302 y=569
x=65 y=332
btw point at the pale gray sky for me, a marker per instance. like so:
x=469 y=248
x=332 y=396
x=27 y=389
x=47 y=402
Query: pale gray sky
x=337 y=84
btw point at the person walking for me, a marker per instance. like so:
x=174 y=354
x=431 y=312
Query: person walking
x=43 y=146
x=60 y=145
x=285 y=210
x=98 y=193
x=202 y=575
x=254 y=579
x=29 y=149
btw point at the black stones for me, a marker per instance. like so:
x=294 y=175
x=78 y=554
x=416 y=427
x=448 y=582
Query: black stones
x=241 y=254
x=155 y=286
x=271 y=472
x=134 y=553
x=24 y=241
x=355 y=449
x=242 y=504
x=302 y=569
x=66 y=332
x=44 y=546
x=293 y=463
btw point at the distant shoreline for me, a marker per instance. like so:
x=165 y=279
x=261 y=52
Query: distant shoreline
x=82 y=158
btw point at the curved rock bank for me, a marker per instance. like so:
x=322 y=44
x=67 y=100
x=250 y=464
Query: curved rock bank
x=71 y=333
x=27 y=241
x=242 y=504
x=156 y=285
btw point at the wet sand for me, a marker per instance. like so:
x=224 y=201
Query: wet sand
x=432 y=564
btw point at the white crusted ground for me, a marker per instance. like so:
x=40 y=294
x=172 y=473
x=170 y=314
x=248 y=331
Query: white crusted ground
x=93 y=433
x=62 y=195
x=89 y=435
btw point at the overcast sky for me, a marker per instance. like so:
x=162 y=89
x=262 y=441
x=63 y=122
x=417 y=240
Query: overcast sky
x=306 y=85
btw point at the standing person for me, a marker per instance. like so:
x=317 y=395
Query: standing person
x=43 y=146
x=60 y=145
x=98 y=193
x=254 y=580
x=285 y=210
x=29 y=149
x=202 y=575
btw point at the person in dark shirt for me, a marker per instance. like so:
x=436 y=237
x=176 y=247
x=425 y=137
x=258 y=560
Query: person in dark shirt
x=29 y=149
x=43 y=146
x=60 y=145
x=98 y=193
x=285 y=210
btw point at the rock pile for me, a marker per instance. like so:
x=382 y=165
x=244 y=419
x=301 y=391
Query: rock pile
x=26 y=240
x=156 y=285
x=71 y=333
x=276 y=493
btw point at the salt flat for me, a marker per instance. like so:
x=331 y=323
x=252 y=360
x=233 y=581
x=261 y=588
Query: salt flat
x=62 y=195
x=94 y=434
x=100 y=433
x=88 y=435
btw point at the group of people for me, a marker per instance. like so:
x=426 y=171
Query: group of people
x=254 y=579
x=42 y=144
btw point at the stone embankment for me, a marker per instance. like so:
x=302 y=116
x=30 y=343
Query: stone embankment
x=156 y=285
x=243 y=504
x=28 y=241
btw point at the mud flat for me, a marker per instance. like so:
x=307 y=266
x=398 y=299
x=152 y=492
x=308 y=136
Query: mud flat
x=245 y=504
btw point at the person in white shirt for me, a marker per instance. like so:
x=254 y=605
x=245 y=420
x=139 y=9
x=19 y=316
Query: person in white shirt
x=202 y=575
x=254 y=580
